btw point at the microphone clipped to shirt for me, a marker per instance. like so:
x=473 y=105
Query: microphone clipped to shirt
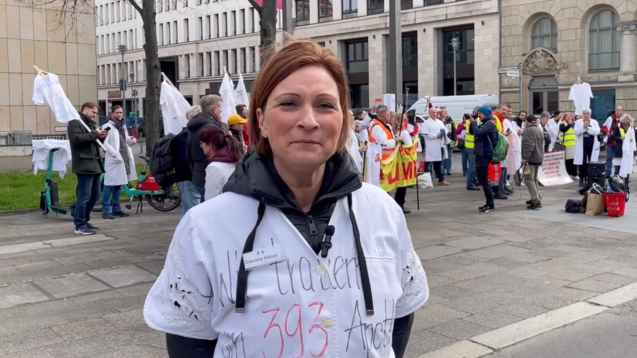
x=326 y=245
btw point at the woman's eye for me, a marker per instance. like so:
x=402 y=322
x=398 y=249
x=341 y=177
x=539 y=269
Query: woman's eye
x=327 y=106
x=288 y=104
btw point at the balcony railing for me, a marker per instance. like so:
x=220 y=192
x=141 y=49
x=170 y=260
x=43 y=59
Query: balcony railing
x=16 y=139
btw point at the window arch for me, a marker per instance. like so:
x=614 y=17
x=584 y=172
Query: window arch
x=604 y=41
x=544 y=34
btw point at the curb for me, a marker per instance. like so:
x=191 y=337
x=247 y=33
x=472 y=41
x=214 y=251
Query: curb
x=498 y=339
x=19 y=212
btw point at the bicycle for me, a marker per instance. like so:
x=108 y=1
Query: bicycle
x=147 y=188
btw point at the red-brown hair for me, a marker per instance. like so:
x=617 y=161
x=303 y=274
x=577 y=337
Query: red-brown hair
x=218 y=139
x=294 y=55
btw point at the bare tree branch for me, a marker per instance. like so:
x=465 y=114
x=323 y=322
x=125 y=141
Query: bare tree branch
x=136 y=6
x=255 y=5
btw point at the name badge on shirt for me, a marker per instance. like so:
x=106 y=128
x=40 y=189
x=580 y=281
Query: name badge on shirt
x=263 y=257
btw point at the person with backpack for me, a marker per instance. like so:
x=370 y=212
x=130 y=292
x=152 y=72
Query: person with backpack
x=532 y=156
x=190 y=197
x=486 y=137
x=209 y=117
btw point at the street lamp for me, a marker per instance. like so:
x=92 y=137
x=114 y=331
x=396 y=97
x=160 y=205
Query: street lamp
x=122 y=49
x=454 y=45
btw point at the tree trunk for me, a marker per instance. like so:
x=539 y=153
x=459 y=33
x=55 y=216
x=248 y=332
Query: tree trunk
x=267 y=21
x=153 y=75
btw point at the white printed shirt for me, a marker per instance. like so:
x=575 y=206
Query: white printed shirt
x=48 y=88
x=301 y=306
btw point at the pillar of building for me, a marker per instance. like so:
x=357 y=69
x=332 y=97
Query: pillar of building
x=627 y=66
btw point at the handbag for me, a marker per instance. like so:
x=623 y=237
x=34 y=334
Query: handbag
x=460 y=143
x=558 y=146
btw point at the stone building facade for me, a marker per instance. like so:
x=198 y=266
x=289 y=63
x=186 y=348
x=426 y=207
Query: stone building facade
x=34 y=36
x=557 y=43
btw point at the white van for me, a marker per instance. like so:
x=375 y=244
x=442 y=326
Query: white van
x=457 y=106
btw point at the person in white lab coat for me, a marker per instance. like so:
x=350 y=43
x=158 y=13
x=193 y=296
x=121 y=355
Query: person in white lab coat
x=354 y=147
x=119 y=164
x=553 y=126
x=275 y=246
x=223 y=152
x=435 y=146
x=586 y=144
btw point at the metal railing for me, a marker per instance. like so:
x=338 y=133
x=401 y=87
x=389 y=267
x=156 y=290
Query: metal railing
x=16 y=139
x=49 y=136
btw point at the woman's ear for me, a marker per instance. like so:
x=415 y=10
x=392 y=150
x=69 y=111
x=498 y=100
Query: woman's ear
x=261 y=121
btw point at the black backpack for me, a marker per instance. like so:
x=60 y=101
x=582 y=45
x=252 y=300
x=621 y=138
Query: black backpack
x=161 y=161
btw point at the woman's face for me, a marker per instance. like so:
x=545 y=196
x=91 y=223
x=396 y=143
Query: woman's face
x=207 y=149
x=118 y=114
x=522 y=115
x=443 y=114
x=586 y=116
x=569 y=119
x=302 y=118
x=578 y=117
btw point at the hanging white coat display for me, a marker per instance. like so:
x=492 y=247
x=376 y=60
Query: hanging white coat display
x=173 y=109
x=298 y=303
x=373 y=164
x=628 y=153
x=579 y=142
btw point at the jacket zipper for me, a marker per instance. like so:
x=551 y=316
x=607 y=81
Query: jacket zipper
x=313 y=230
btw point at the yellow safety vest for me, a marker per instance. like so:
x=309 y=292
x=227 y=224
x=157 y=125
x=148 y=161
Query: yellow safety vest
x=568 y=138
x=469 y=139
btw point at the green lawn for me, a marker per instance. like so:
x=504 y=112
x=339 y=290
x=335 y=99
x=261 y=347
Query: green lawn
x=21 y=191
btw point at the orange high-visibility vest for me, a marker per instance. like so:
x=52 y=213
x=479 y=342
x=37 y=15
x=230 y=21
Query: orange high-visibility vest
x=386 y=151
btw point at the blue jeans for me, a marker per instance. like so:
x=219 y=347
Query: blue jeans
x=503 y=177
x=110 y=199
x=471 y=168
x=202 y=192
x=190 y=197
x=447 y=162
x=87 y=192
x=437 y=167
x=610 y=153
x=465 y=159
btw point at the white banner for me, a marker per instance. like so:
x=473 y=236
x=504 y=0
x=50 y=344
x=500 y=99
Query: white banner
x=389 y=99
x=372 y=164
x=227 y=95
x=240 y=93
x=553 y=170
x=173 y=109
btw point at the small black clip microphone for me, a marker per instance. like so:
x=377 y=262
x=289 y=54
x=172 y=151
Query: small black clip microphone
x=326 y=245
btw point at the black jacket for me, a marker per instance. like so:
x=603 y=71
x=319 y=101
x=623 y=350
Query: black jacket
x=196 y=157
x=180 y=149
x=256 y=177
x=619 y=142
x=486 y=137
x=452 y=133
x=85 y=152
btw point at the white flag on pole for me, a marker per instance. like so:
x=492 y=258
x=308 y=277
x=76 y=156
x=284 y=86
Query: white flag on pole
x=173 y=109
x=227 y=95
x=240 y=93
x=48 y=90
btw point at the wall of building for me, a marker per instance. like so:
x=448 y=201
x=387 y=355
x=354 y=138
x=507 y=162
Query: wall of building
x=31 y=37
x=612 y=85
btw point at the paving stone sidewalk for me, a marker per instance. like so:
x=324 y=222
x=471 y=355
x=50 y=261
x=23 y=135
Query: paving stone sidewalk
x=67 y=296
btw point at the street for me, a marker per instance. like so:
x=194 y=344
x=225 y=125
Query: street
x=82 y=296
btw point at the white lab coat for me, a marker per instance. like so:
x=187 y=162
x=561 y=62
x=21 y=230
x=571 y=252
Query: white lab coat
x=579 y=142
x=194 y=296
x=628 y=153
x=435 y=148
x=352 y=149
x=514 y=156
x=554 y=131
x=114 y=167
x=217 y=175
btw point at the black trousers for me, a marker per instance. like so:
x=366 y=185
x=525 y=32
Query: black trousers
x=482 y=172
x=400 y=196
x=571 y=168
x=586 y=158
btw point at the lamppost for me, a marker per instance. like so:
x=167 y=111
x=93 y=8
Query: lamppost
x=454 y=45
x=122 y=49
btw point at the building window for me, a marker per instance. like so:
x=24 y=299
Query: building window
x=544 y=34
x=217 y=64
x=375 y=7
x=322 y=43
x=216 y=25
x=464 y=81
x=243 y=60
x=254 y=16
x=242 y=17
x=302 y=10
x=186 y=31
x=602 y=104
x=604 y=42
x=186 y=66
x=410 y=51
x=233 y=18
x=234 y=62
x=325 y=8
x=406 y=4
x=253 y=59
x=544 y=94
x=200 y=64
x=357 y=57
x=433 y=2
x=225 y=24
x=200 y=27
x=350 y=6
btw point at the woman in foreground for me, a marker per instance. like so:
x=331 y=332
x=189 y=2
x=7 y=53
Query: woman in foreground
x=297 y=258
